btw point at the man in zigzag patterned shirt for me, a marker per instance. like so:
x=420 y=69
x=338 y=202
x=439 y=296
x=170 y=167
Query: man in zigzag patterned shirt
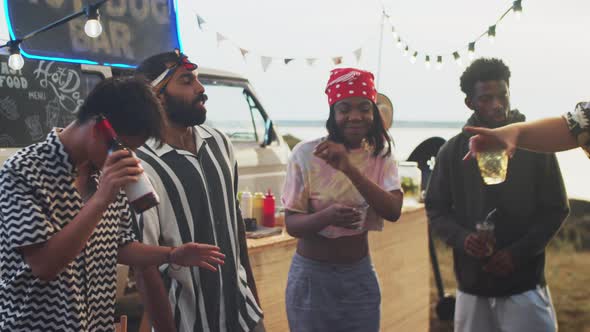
x=62 y=232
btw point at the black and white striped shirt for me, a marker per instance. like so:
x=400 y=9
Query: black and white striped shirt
x=37 y=200
x=198 y=203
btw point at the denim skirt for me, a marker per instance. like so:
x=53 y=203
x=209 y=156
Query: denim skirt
x=327 y=297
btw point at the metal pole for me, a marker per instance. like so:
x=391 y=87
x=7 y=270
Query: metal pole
x=54 y=24
x=383 y=17
x=435 y=267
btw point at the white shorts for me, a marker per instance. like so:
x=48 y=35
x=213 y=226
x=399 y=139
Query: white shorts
x=528 y=311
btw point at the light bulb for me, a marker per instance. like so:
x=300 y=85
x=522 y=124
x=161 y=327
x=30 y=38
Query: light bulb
x=439 y=62
x=457 y=58
x=93 y=28
x=492 y=34
x=517 y=9
x=406 y=51
x=394 y=33
x=399 y=43
x=414 y=57
x=471 y=51
x=16 y=61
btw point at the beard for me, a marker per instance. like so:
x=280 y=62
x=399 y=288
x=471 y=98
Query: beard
x=186 y=114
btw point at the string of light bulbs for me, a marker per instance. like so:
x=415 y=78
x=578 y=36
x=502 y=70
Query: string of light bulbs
x=429 y=58
x=92 y=28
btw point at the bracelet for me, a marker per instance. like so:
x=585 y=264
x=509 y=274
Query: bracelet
x=169 y=260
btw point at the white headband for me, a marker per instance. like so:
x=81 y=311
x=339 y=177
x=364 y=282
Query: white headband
x=160 y=78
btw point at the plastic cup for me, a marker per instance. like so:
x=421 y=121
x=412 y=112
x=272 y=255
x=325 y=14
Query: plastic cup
x=362 y=210
x=485 y=230
x=493 y=166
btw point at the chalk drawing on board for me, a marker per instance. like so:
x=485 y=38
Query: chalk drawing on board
x=52 y=111
x=64 y=82
x=7 y=140
x=8 y=108
x=34 y=127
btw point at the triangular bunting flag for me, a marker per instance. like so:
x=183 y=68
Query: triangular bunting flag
x=310 y=61
x=287 y=61
x=358 y=53
x=220 y=38
x=337 y=60
x=244 y=52
x=200 y=22
x=265 y=60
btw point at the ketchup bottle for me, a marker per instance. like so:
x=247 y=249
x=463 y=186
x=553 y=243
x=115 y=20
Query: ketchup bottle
x=141 y=194
x=269 y=210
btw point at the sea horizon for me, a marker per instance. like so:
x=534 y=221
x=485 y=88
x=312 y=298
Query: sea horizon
x=396 y=124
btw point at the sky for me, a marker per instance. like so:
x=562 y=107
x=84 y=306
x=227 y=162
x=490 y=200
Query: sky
x=547 y=50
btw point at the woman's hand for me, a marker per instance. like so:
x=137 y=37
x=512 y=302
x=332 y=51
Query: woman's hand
x=342 y=215
x=486 y=139
x=335 y=154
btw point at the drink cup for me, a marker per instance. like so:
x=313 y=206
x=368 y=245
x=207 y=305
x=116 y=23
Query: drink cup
x=485 y=230
x=362 y=210
x=493 y=166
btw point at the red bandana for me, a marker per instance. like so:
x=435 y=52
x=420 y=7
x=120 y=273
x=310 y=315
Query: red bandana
x=350 y=82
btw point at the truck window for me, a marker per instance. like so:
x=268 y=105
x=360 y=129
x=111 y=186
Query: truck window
x=232 y=110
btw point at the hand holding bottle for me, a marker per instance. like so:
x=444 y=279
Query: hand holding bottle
x=120 y=169
x=140 y=193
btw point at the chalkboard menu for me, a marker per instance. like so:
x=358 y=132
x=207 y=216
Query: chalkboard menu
x=132 y=29
x=40 y=96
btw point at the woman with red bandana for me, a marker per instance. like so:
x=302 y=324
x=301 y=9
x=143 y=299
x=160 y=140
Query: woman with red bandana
x=337 y=189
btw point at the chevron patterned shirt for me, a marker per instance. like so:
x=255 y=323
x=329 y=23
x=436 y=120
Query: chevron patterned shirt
x=37 y=200
x=198 y=203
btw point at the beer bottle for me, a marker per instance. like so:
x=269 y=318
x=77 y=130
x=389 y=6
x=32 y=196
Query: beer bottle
x=141 y=194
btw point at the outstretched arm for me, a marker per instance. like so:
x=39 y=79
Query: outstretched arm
x=545 y=135
x=188 y=254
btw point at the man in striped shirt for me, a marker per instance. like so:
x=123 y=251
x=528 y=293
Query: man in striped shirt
x=195 y=175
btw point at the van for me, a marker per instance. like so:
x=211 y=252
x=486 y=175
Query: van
x=233 y=107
